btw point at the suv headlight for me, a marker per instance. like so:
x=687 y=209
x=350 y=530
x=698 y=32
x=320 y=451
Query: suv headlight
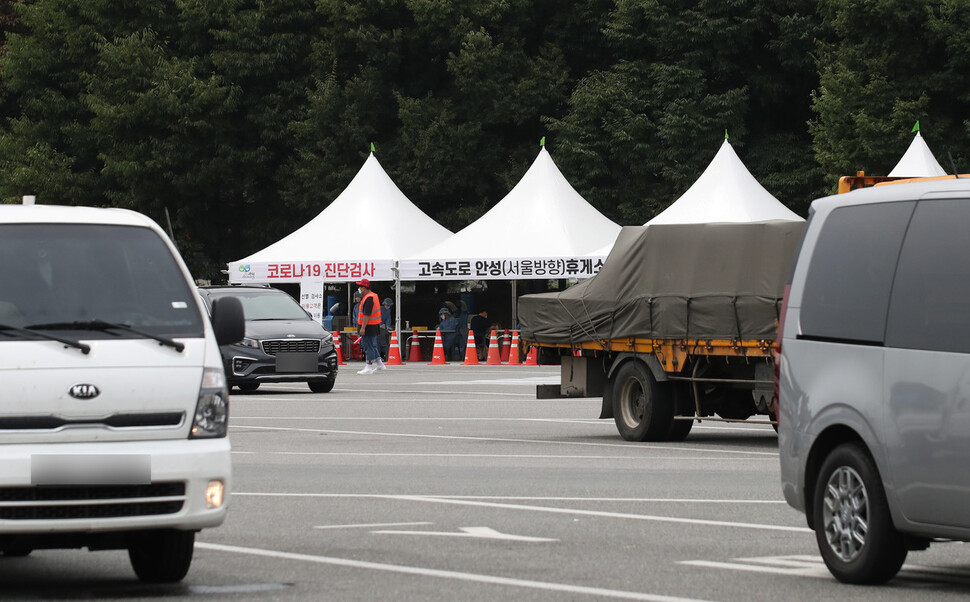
x=247 y=342
x=212 y=409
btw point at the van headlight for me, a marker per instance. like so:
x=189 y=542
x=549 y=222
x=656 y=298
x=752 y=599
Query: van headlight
x=212 y=409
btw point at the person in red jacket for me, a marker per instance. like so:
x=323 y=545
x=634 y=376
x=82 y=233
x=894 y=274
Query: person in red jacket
x=369 y=327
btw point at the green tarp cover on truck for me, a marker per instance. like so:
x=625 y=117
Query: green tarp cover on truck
x=674 y=281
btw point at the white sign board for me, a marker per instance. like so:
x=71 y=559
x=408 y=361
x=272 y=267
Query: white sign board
x=312 y=299
x=502 y=269
x=298 y=271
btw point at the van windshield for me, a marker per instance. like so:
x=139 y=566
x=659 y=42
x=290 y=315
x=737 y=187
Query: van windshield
x=267 y=305
x=56 y=275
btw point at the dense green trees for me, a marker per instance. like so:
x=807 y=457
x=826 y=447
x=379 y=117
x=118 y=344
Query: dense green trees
x=884 y=65
x=242 y=119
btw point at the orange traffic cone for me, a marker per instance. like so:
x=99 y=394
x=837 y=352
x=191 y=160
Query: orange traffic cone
x=394 y=351
x=494 y=355
x=438 y=355
x=415 y=354
x=514 y=351
x=505 y=346
x=532 y=359
x=339 y=348
x=471 y=351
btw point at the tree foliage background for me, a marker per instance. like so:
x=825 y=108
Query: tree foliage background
x=239 y=120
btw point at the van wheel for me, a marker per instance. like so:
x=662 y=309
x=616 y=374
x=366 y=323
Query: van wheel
x=321 y=386
x=853 y=527
x=248 y=386
x=642 y=408
x=16 y=552
x=161 y=556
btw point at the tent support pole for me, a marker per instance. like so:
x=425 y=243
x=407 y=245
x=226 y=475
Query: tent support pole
x=397 y=301
x=515 y=308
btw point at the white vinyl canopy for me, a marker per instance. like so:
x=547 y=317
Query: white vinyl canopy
x=361 y=234
x=917 y=162
x=543 y=228
x=726 y=192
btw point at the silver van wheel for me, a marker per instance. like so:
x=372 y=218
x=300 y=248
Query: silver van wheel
x=845 y=514
x=853 y=523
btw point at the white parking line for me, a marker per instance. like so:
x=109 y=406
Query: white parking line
x=512 y=456
x=638 y=446
x=520 y=498
x=441 y=574
x=372 y=525
x=553 y=510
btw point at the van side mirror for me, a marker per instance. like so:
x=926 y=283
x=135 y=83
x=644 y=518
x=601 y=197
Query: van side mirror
x=228 y=321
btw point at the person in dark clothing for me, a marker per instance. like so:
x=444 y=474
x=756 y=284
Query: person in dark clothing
x=480 y=326
x=448 y=326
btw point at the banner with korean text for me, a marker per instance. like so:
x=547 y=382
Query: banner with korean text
x=501 y=269
x=253 y=272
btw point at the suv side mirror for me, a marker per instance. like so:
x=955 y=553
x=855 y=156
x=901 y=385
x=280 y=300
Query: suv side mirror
x=228 y=321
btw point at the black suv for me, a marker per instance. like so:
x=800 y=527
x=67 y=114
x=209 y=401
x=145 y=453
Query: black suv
x=282 y=343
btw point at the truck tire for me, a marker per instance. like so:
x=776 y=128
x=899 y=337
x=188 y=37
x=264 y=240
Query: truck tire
x=162 y=556
x=683 y=406
x=642 y=407
x=679 y=430
x=853 y=527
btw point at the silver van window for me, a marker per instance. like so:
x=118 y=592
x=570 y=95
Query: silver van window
x=847 y=287
x=930 y=306
x=59 y=274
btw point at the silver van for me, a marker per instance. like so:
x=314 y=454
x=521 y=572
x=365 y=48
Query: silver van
x=113 y=401
x=873 y=378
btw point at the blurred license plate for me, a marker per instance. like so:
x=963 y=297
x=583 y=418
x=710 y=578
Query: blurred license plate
x=296 y=362
x=91 y=470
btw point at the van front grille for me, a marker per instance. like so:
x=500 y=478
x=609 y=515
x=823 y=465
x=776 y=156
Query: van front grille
x=48 y=502
x=117 y=421
x=291 y=346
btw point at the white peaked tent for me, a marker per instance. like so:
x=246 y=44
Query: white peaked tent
x=361 y=234
x=725 y=192
x=368 y=227
x=917 y=161
x=543 y=228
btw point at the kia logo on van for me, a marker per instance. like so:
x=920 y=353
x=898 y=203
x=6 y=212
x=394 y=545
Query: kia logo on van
x=84 y=391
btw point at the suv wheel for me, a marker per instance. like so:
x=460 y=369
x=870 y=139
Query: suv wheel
x=248 y=386
x=321 y=386
x=853 y=527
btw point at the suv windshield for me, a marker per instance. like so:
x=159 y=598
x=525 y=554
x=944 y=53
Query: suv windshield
x=68 y=276
x=267 y=305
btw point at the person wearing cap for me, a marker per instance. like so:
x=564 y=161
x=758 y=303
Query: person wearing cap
x=369 y=327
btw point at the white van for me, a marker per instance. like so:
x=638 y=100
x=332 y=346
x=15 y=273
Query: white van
x=113 y=400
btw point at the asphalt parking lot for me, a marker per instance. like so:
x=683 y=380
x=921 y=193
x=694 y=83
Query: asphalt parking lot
x=455 y=483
